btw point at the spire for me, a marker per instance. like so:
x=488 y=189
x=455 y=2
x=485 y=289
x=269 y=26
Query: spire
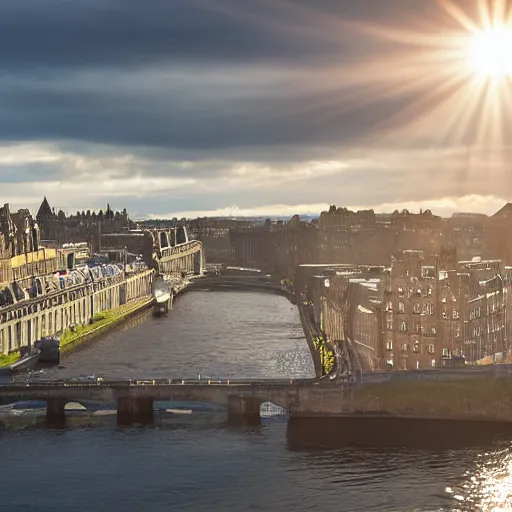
x=44 y=210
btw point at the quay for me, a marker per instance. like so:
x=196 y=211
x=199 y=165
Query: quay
x=56 y=291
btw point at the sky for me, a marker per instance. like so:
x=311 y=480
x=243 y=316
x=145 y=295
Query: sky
x=262 y=107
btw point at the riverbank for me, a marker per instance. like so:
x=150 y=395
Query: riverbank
x=101 y=323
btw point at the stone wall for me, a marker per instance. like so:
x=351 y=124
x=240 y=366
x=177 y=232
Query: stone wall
x=23 y=324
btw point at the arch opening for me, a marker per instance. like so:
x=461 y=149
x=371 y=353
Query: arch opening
x=271 y=410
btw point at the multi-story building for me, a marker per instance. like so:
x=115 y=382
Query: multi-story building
x=484 y=320
x=409 y=296
x=21 y=254
x=439 y=313
x=58 y=228
x=465 y=232
x=346 y=305
x=343 y=219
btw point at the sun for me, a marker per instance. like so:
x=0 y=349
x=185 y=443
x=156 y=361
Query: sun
x=490 y=52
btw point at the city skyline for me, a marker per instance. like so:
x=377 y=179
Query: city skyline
x=272 y=108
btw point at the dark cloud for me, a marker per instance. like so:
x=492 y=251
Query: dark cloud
x=133 y=32
x=88 y=70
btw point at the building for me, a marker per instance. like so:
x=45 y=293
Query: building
x=409 y=297
x=347 y=307
x=58 y=228
x=21 y=252
x=466 y=232
x=439 y=312
x=343 y=219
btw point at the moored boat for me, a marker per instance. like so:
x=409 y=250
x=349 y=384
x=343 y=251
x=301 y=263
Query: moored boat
x=49 y=349
x=162 y=293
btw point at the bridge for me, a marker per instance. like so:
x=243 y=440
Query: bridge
x=167 y=251
x=479 y=394
x=237 y=279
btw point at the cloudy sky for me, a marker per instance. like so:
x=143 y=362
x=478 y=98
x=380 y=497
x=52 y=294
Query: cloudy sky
x=194 y=107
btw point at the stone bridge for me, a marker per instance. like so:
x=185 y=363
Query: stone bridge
x=234 y=279
x=465 y=396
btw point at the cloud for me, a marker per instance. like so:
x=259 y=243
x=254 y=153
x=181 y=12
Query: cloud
x=380 y=178
x=444 y=207
x=193 y=105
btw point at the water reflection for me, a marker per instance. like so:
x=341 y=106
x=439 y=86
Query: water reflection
x=486 y=486
x=392 y=433
x=379 y=449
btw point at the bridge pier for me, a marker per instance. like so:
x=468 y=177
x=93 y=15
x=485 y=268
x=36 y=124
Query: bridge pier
x=55 y=410
x=244 y=409
x=134 y=410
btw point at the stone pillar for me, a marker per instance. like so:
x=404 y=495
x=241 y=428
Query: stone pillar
x=134 y=410
x=55 y=410
x=244 y=409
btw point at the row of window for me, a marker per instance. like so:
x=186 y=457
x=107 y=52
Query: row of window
x=427 y=309
x=419 y=292
x=416 y=348
x=420 y=329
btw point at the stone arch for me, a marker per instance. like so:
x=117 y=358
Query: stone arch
x=56 y=407
x=269 y=409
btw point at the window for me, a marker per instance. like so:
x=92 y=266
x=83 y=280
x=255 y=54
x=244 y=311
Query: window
x=405 y=347
x=401 y=307
x=433 y=363
x=455 y=314
x=389 y=323
x=431 y=349
x=428 y=309
x=433 y=331
x=457 y=331
x=400 y=290
x=416 y=308
x=446 y=352
x=389 y=345
x=416 y=347
x=429 y=291
x=403 y=326
x=389 y=306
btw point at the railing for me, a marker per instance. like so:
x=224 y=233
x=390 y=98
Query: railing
x=99 y=381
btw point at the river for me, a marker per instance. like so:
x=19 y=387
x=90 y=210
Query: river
x=192 y=462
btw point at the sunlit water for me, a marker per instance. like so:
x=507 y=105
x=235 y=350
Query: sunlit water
x=192 y=462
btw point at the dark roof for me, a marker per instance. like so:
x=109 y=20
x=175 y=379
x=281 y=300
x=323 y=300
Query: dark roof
x=44 y=209
x=504 y=213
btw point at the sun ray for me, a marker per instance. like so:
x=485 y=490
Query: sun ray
x=458 y=15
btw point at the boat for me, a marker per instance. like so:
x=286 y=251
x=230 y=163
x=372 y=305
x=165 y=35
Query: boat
x=49 y=350
x=29 y=357
x=162 y=294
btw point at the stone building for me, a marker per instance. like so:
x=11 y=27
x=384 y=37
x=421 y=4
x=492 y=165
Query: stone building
x=347 y=306
x=439 y=312
x=466 y=232
x=81 y=227
x=409 y=297
x=21 y=254
x=484 y=318
x=343 y=219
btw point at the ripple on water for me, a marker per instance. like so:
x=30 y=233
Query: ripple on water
x=196 y=462
x=231 y=335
